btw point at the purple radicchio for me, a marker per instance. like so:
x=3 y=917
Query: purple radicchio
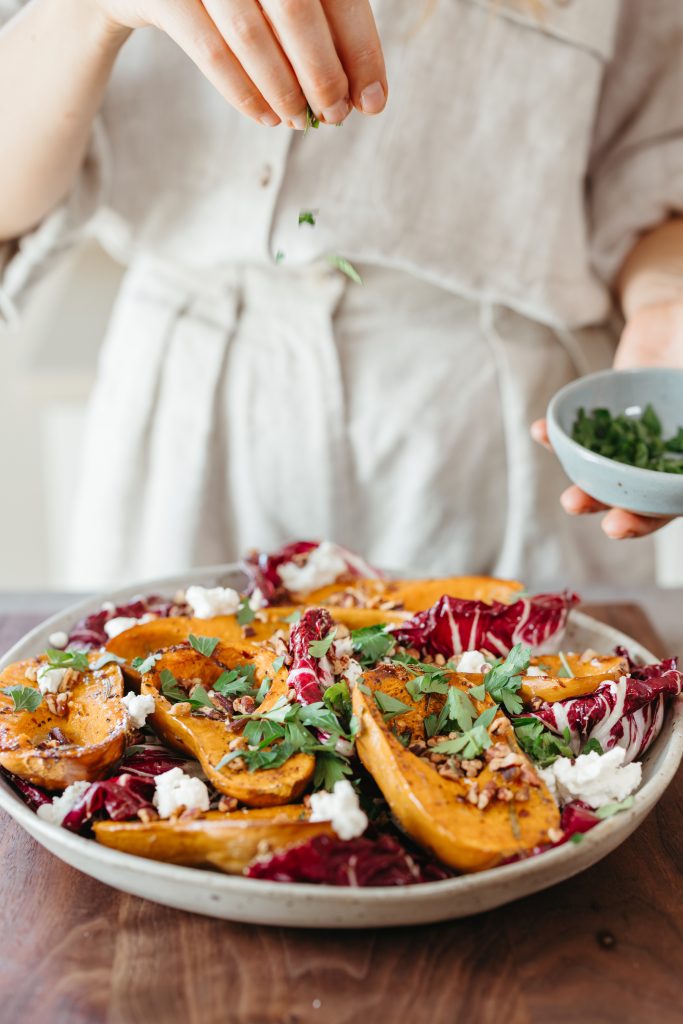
x=263 y=569
x=90 y=631
x=309 y=676
x=326 y=860
x=34 y=796
x=454 y=625
x=627 y=712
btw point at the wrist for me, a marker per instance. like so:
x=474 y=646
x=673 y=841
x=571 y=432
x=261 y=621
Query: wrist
x=96 y=27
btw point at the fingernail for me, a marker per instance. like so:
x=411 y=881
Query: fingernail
x=298 y=122
x=337 y=113
x=372 y=99
x=270 y=120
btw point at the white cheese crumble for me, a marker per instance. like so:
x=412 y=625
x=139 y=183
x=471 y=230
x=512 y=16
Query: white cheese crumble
x=472 y=663
x=597 y=779
x=341 y=809
x=323 y=566
x=206 y=602
x=58 y=640
x=343 y=648
x=534 y=670
x=354 y=670
x=138 y=706
x=175 y=789
x=123 y=622
x=57 y=811
x=257 y=600
x=50 y=679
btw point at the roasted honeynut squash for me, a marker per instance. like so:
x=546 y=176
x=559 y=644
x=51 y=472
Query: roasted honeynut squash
x=228 y=842
x=210 y=739
x=570 y=675
x=78 y=744
x=460 y=820
x=415 y=595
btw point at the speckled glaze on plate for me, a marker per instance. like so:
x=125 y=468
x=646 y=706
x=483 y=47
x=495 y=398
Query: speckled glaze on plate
x=324 y=906
x=638 y=490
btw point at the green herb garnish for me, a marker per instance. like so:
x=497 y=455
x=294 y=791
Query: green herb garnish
x=307 y=217
x=204 y=644
x=565 y=671
x=372 y=643
x=542 y=745
x=143 y=665
x=311 y=120
x=611 y=809
x=245 y=613
x=503 y=681
x=77 y=660
x=390 y=706
x=293 y=617
x=633 y=440
x=24 y=698
x=342 y=264
x=319 y=648
x=593 y=746
x=170 y=689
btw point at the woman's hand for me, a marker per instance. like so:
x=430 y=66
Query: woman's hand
x=653 y=336
x=271 y=58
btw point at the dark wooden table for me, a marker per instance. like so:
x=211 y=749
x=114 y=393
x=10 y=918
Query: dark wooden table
x=604 y=947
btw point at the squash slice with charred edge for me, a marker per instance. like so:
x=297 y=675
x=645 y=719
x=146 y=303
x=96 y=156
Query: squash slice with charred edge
x=416 y=595
x=228 y=842
x=158 y=634
x=435 y=810
x=94 y=728
x=209 y=740
x=587 y=676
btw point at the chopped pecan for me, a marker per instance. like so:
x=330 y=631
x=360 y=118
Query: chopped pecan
x=244 y=705
x=227 y=803
x=147 y=814
x=472 y=768
x=182 y=709
x=504 y=794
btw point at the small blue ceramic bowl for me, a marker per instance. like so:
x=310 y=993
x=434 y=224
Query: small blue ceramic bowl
x=646 y=491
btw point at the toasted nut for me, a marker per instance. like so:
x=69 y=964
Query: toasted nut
x=439 y=659
x=244 y=705
x=504 y=794
x=472 y=768
x=182 y=709
x=555 y=834
x=228 y=803
x=147 y=814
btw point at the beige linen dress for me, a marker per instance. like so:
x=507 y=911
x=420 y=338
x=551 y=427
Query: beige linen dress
x=242 y=401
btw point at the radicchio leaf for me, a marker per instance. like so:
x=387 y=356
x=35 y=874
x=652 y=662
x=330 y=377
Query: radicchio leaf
x=33 y=795
x=90 y=631
x=118 y=799
x=309 y=676
x=262 y=569
x=627 y=712
x=454 y=625
x=326 y=860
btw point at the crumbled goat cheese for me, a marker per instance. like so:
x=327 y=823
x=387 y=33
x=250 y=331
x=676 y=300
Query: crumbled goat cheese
x=257 y=600
x=57 y=811
x=354 y=670
x=343 y=648
x=341 y=809
x=138 y=706
x=597 y=779
x=534 y=670
x=175 y=789
x=206 y=602
x=472 y=663
x=50 y=679
x=123 y=622
x=323 y=566
x=58 y=640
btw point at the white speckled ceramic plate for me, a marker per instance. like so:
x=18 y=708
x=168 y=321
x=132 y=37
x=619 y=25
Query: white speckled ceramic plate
x=322 y=906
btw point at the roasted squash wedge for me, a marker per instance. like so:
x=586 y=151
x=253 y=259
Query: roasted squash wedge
x=415 y=595
x=228 y=842
x=587 y=675
x=210 y=739
x=468 y=823
x=79 y=744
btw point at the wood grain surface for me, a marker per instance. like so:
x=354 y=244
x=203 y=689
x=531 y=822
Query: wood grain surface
x=603 y=948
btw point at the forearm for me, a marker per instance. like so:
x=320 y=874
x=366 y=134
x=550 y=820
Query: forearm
x=652 y=274
x=55 y=61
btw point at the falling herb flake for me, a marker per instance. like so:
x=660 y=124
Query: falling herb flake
x=307 y=217
x=342 y=264
x=311 y=120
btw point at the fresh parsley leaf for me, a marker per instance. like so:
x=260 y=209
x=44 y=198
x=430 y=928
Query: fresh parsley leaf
x=354 y=726
x=503 y=681
x=609 y=810
x=593 y=746
x=278 y=663
x=319 y=648
x=364 y=688
x=576 y=838
x=107 y=659
x=24 y=698
x=372 y=643
x=402 y=737
x=390 y=706
x=262 y=691
x=237 y=682
x=170 y=689
x=542 y=745
x=478 y=692
x=317 y=716
x=279 y=256
x=293 y=617
x=342 y=264
x=199 y=698
x=204 y=644
x=245 y=613
x=337 y=698
x=430 y=724
x=260 y=730
x=77 y=660
x=143 y=665
x=565 y=672
x=329 y=768
x=307 y=217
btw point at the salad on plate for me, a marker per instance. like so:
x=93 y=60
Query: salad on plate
x=330 y=725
